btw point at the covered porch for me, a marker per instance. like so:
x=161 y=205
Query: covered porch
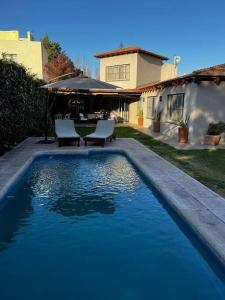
x=86 y=100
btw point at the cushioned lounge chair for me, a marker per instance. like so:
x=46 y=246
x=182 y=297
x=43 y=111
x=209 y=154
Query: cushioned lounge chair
x=104 y=131
x=65 y=131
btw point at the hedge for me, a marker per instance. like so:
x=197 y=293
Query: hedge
x=22 y=104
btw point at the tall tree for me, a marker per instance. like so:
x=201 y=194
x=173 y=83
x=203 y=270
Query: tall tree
x=97 y=73
x=83 y=64
x=59 y=66
x=53 y=48
x=121 y=45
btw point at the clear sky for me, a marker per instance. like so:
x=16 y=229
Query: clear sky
x=193 y=29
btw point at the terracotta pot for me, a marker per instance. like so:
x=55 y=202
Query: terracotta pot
x=140 y=121
x=212 y=140
x=156 y=127
x=183 y=135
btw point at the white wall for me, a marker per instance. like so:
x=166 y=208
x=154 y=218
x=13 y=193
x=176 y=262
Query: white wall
x=204 y=103
x=209 y=108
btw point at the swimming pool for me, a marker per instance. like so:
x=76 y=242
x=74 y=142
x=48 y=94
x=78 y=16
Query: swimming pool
x=90 y=227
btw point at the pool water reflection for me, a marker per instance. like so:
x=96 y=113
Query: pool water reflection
x=89 y=227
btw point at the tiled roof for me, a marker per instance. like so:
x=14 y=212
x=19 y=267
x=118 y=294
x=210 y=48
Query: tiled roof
x=128 y=50
x=206 y=73
x=218 y=70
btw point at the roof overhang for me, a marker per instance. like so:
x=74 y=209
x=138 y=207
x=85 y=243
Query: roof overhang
x=129 y=50
x=185 y=79
x=129 y=93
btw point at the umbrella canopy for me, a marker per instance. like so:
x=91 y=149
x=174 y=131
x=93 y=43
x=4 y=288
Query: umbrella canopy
x=80 y=83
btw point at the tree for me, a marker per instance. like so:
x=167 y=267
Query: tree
x=97 y=73
x=53 y=48
x=83 y=64
x=59 y=66
x=121 y=45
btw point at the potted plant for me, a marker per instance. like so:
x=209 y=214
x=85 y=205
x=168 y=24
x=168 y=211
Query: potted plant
x=156 y=121
x=213 y=134
x=140 y=118
x=183 y=129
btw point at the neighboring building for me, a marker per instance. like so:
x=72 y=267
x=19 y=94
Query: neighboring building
x=199 y=95
x=25 y=51
x=133 y=67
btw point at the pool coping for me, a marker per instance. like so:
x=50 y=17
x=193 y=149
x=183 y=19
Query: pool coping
x=201 y=208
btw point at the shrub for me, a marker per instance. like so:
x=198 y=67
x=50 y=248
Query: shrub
x=216 y=128
x=181 y=122
x=21 y=104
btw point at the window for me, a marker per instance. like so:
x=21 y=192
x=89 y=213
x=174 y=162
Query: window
x=12 y=57
x=175 y=106
x=151 y=101
x=120 y=72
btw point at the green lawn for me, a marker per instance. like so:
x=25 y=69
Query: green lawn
x=207 y=166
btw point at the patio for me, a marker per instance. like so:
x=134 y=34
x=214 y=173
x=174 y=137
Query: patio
x=173 y=140
x=86 y=100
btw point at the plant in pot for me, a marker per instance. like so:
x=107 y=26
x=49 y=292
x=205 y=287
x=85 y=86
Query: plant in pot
x=213 y=134
x=140 y=118
x=156 y=121
x=183 y=128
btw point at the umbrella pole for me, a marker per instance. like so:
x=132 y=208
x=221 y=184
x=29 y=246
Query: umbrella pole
x=46 y=140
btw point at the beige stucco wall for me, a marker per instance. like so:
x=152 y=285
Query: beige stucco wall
x=168 y=71
x=130 y=59
x=133 y=112
x=204 y=103
x=144 y=69
x=29 y=53
x=148 y=69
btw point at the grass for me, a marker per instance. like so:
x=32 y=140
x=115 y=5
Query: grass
x=207 y=166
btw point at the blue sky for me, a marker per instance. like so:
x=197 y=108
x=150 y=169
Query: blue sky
x=195 y=30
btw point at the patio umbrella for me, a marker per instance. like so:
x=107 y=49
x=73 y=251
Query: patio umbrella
x=84 y=85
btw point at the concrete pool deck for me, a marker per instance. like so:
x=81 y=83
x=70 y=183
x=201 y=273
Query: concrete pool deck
x=202 y=209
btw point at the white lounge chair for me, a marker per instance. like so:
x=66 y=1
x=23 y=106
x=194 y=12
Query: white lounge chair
x=65 y=131
x=104 y=131
x=82 y=117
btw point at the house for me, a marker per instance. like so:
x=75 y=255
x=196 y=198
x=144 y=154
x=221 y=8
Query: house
x=199 y=95
x=25 y=51
x=133 y=66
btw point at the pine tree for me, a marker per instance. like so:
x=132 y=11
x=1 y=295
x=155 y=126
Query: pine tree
x=53 y=48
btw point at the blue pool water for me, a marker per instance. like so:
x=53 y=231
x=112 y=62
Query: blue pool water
x=91 y=228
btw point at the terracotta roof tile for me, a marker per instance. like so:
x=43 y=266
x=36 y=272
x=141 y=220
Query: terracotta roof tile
x=214 y=70
x=207 y=73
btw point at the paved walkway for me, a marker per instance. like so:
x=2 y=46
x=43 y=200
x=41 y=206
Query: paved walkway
x=201 y=208
x=172 y=141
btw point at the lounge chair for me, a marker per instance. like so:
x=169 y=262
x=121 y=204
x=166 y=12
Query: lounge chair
x=65 y=131
x=104 y=131
x=82 y=117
